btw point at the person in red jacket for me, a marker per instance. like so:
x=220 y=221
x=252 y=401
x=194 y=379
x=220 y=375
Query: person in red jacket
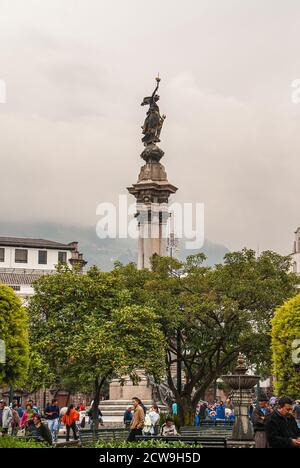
x=69 y=420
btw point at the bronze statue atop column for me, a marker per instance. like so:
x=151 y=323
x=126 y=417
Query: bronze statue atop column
x=152 y=126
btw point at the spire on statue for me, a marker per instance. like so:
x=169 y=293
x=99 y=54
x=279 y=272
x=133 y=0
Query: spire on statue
x=152 y=127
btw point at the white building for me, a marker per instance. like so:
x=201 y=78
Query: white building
x=24 y=260
x=296 y=253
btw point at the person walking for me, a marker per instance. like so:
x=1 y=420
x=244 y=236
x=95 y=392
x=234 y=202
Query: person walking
x=259 y=418
x=15 y=423
x=52 y=416
x=69 y=420
x=127 y=418
x=138 y=420
x=6 y=417
x=278 y=427
x=19 y=410
x=174 y=408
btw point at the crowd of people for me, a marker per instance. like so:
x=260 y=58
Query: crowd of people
x=147 y=423
x=218 y=411
x=276 y=422
x=42 y=425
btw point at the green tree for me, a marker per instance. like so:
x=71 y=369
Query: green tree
x=216 y=312
x=86 y=330
x=286 y=332
x=14 y=332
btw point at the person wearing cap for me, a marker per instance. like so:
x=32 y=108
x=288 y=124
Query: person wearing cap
x=259 y=417
x=6 y=417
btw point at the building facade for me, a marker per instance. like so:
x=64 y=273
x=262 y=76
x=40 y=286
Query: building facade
x=296 y=253
x=24 y=260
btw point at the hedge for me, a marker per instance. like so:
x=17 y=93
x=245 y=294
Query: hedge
x=285 y=332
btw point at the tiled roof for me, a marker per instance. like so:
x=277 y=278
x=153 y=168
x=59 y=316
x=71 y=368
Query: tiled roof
x=35 y=243
x=16 y=279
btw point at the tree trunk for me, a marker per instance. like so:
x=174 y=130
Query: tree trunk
x=186 y=410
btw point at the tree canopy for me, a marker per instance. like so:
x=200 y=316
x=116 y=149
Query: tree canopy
x=86 y=330
x=14 y=332
x=89 y=328
x=218 y=312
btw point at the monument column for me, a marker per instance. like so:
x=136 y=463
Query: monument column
x=152 y=190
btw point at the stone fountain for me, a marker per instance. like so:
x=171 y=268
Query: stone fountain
x=241 y=385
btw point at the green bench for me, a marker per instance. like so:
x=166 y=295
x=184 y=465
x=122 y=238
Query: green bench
x=92 y=437
x=218 y=431
x=205 y=442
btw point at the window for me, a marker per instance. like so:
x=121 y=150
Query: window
x=62 y=257
x=2 y=255
x=16 y=288
x=43 y=254
x=21 y=256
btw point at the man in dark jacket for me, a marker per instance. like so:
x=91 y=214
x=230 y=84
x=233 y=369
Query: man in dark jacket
x=293 y=427
x=278 y=427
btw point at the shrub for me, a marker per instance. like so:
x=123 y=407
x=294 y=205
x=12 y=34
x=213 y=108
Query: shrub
x=15 y=442
x=145 y=444
x=285 y=331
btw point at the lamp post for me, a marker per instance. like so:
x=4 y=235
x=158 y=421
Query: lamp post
x=179 y=360
x=179 y=367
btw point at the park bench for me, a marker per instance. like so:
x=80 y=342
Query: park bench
x=205 y=442
x=217 y=431
x=88 y=437
x=216 y=423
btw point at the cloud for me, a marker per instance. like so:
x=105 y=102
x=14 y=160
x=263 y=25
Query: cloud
x=76 y=73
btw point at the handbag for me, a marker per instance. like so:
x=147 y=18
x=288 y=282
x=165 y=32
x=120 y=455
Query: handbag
x=21 y=432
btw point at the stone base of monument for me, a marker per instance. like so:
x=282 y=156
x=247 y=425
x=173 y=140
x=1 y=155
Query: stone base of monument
x=126 y=392
x=120 y=397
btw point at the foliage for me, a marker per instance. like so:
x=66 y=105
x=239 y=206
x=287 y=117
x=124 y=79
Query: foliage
x=87 y=330
x=145 y=444
x=286 y=330
x=18 y=442
x=15 y=442
x=14 y=332
x=38 y=372
x=219 y=312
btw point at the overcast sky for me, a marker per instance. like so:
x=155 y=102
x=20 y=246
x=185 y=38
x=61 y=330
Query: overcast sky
x=76 y=72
